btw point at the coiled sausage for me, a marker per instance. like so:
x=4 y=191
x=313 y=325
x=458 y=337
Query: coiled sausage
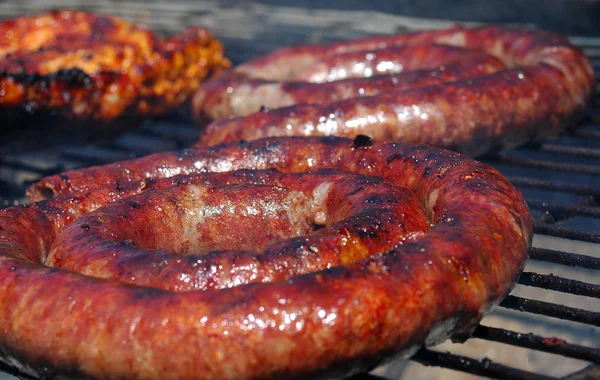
x=449 y=240
x=504 y=86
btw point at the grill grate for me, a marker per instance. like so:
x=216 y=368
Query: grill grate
x=482 y=367
x=564 y=258
x=560 y=179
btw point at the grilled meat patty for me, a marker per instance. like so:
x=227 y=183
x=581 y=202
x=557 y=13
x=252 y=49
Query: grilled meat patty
x=83 y=65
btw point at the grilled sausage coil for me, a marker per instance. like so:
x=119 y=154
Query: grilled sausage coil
x=81 y=65
x=341 y=254
x=470 y=90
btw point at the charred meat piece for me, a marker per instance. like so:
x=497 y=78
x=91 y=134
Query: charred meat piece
x=81 y=65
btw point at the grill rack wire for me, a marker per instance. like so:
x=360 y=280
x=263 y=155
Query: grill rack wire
x=577 y=153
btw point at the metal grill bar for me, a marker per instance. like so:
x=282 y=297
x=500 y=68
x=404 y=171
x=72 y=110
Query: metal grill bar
x=550 y=165
x=594 y=133
x=14 y=372
x=563 y=211
x=564 y=258
x=86 y=161
x=571 y=150
x=566 y=232
x=560 y=284
x=19 y=166
x=591 y=372
x=551 y=310
x=526 y=182
x=535 y=342
x=482 y=367
x=367 y=376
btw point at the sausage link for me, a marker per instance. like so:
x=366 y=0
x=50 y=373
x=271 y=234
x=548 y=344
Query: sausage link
x=342 y=205
x=543 y=87
x=338 y=319
x=290 y=62
x=225 y=96
x=391 y=60
x=473 y=116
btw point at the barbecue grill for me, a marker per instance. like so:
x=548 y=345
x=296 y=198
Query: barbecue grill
x=547 y=328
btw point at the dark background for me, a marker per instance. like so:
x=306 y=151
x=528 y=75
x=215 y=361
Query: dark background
x=575 y=17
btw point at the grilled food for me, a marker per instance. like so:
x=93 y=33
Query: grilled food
x=86 y=66
x=470 y=90
x=164 y=266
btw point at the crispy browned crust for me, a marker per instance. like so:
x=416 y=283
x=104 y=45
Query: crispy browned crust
x=330 y=313
x=541 y=86
x=83 y=65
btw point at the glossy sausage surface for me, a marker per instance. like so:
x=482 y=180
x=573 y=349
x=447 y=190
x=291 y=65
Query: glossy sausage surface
x=505 y=86
x=451 y=244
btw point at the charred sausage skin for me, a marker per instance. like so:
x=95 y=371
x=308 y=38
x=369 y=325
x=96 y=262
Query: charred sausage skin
x=339 y=321
x=235 y=94
x=541 y=86
x=235 y=228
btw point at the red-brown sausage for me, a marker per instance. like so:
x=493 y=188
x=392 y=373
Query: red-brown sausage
x=330 y=322
x=391 y=60
x=237 y=228
x=238 y=95
x=543 y=89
